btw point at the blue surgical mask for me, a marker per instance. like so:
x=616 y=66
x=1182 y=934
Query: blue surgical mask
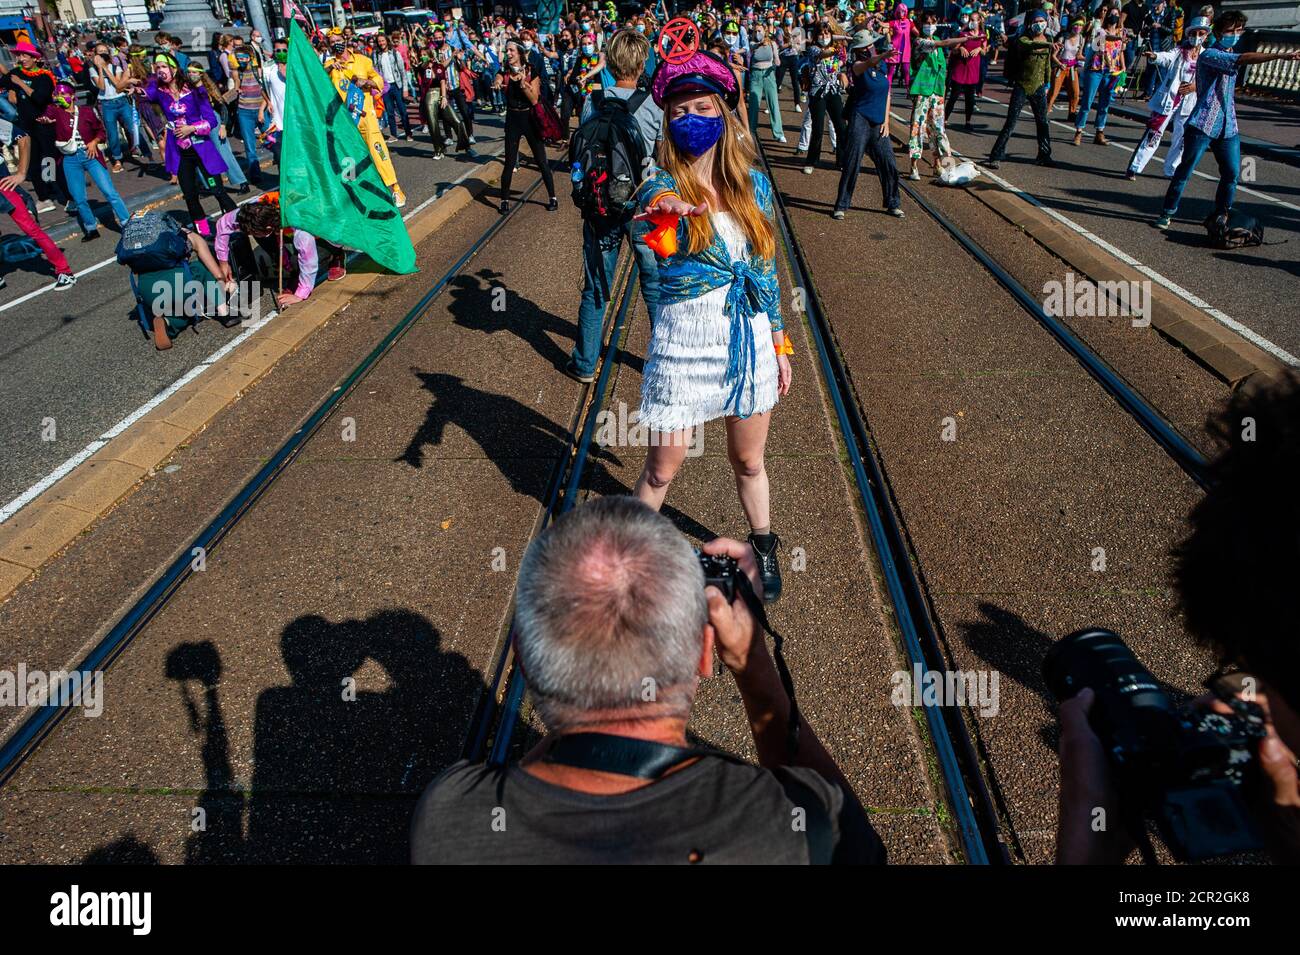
x=694 y=134
x=588 y=49
x=1229 y=41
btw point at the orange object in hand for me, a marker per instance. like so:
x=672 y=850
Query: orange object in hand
x=662 y=239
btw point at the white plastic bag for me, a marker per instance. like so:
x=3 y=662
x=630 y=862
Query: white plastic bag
x=958 y=173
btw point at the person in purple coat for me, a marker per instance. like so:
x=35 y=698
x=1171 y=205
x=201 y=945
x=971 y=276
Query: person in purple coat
x=189 y=153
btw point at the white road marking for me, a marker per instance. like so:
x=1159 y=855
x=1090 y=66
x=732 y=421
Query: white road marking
x=64 y=469
x=33 y=492
x=1218 y=315
x=49 y=288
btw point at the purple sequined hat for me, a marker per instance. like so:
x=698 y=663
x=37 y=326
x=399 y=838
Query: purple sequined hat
x=703 y=72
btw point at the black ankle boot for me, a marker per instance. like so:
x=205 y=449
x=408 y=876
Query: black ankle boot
x=767 y=554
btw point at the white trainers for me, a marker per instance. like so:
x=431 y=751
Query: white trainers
x=779 y=139
x=798 y=108
x=807 y=170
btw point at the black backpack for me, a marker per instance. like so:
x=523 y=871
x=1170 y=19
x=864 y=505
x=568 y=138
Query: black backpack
x=607 y=157
x=1235 y=230
x=151 y=242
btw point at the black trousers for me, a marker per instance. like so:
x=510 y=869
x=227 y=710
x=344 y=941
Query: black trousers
x=864 y=136
x=191 y=174
x=464 y=107
x=967 y=91
x=1038 y=103
x=569 y=104
x=822 y=104
x=789 y=63
x=519 y=123
x=45 y=166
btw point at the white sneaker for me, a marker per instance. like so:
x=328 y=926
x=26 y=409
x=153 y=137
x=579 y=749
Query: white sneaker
x=779 y=139
x=45 y=206
x=64 y=281
x=807 y=170
x=798 y=108
x=473 y=141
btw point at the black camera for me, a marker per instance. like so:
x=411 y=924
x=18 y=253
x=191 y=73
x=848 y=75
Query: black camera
x=722 y=572
x=1184 y=767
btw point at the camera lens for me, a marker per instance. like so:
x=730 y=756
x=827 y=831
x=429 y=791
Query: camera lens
x=1098 y=659
x=1132 y=713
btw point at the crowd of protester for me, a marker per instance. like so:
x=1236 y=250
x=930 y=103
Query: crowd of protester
x=79 y=111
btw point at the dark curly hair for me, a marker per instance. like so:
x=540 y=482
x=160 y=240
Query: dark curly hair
x=258 y=218
x=1237 y=572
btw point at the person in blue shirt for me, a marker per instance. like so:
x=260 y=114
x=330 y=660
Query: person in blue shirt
x=868 y=100
x=457 y=38
x=1213 y=123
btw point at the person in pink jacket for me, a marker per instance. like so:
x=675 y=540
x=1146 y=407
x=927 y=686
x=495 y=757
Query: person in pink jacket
x=901 y=29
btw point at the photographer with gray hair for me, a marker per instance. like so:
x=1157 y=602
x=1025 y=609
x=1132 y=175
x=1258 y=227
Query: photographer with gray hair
x=614 y=629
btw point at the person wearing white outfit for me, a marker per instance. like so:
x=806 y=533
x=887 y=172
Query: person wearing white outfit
x=1173 y=100
x=713 y=234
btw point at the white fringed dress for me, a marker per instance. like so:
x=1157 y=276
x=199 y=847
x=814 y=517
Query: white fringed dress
x=711 y=352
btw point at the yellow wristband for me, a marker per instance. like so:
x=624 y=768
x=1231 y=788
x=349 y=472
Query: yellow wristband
x=785 y=348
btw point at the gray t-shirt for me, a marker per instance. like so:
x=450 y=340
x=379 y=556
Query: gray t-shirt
x=649 y=117
x=713 y=811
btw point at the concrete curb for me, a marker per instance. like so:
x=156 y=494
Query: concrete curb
x=51 y=522
x=1225 y=352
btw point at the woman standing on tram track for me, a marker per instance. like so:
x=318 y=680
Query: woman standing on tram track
x=708 y=356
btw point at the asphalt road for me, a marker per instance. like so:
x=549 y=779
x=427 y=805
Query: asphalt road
x=1089 y=188
x=79 y=357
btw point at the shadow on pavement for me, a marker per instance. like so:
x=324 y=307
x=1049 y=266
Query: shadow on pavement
x=336 y=768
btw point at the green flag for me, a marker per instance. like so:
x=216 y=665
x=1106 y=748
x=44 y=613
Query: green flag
x=329 y=185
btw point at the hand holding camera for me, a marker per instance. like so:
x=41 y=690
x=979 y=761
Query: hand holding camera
x=1130 y=754
x=725 y=562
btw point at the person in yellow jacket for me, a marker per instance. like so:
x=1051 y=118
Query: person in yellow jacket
x=348 y=69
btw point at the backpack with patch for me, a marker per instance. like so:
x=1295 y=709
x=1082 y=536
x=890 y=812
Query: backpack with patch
x=1235 y=230
x=151 y=242
x=607 y=157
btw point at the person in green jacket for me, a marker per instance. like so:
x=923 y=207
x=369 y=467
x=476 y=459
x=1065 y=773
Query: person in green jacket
x=929 y=84
x=1029 y=66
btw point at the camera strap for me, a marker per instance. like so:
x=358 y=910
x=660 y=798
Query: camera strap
x=646 y=759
